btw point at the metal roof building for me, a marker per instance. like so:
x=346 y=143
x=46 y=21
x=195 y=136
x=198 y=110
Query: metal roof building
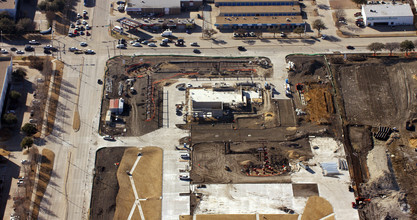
x=258 y=14
x=387 y=14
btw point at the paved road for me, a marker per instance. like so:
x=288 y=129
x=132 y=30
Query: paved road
x=68 y=194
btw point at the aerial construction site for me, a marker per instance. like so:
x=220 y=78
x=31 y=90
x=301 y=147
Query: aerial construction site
x=335 y=139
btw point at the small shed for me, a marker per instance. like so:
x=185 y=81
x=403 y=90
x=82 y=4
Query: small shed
x=108 y=117
x=329 y=169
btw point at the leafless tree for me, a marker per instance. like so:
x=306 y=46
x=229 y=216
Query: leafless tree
x=392 y=46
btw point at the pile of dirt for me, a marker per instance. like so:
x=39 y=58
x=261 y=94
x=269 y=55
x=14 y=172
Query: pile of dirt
x=319 y=104
x=307 y=68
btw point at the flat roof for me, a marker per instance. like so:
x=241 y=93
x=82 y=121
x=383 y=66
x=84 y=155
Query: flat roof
x=384 y=10
x=256 y=1
x=208 y=95
x=260 y=20
x=153 y=3
x=7 y=4
x=266 y=8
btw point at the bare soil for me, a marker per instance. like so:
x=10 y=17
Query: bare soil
x=143 y=106
x=209 y=161
x=105 y=185
x=373 y=92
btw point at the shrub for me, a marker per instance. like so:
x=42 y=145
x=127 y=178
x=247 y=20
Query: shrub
x=26 y=142
x=19 y=74
x=10 y=118
x=25 y=25
x=15 y=95
x=29 y=129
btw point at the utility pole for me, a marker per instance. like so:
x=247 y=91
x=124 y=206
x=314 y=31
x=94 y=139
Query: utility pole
x=1 y=33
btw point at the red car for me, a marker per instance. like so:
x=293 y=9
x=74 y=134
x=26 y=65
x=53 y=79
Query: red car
x=357 y=14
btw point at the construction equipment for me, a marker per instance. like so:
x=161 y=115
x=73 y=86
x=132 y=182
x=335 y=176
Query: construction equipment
x=360 y=202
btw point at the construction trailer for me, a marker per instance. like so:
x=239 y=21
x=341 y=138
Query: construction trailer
x=116 y=106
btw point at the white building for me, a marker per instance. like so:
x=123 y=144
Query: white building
x=166 y=7
x=10 y=6
x=210 y=103
x=387 y=14
x=6 y=69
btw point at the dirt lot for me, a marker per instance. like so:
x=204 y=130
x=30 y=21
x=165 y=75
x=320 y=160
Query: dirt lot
x=139 y=81
x=243 y=162
x=380 y=91
x=377 y=92
x=105 y=185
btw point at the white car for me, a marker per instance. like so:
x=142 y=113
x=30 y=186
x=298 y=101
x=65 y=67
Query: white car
x=79 y=16
x=121 y=46
x=87 y=27
x=72 y=49
x=33 y=42
x=20 y=52
x=136 y=44
x=89 y=51
x=84 y=22
x=83 y=44
x=194 y=44
x=152 y=45
x=4 y=51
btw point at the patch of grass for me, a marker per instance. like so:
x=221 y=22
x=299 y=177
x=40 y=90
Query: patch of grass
x=76 y=121
x=45 y=171
x=53 y=99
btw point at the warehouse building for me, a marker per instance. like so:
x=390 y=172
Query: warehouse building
x=161 y=7
x=263 y=14
x=387 y=14
x=206 y=103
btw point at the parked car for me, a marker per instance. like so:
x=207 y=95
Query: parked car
x=87 y=27
x=72 y=49
x=108 y=138
x=20 y=52
x=84 y=22
x=72 y=25
x=13 y=49
x=240 y=48
x=79 y=16
x=136 y=44
x=152 y=45
x=357 y=14
x=4 y=51
x=83 y=44
x=194 y=44
x=78 y=22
